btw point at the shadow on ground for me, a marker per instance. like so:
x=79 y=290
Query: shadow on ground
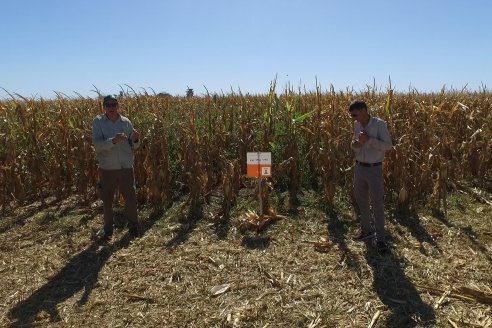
x=412 y=222
x=81 y=273
x=187 y=224
x=256 y=242
x=337 y=232
x=222 y=227
x=52 y=210
x=397 y=292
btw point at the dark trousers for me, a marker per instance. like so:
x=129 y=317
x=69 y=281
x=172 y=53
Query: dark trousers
x=369 y=186
x=124 y=180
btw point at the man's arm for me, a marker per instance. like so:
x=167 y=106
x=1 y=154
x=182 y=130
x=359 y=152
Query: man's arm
x=98 y=138
x=357 y=143
x=384 y=142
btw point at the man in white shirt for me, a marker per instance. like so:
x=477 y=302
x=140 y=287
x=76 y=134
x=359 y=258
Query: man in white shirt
x=114 y=139
x=370 y=141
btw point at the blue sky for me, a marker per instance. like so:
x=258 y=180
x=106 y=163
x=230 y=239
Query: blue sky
x=69 y=46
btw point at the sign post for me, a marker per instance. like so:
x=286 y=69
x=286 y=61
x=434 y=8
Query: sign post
x=259 y=165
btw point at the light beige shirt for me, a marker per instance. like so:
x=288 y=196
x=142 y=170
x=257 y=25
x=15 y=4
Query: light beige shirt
x=379 y=141
x=113 y=156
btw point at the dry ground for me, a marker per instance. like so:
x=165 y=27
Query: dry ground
x=437 y=274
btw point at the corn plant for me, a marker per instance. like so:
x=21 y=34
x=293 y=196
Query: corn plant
x=198 y=144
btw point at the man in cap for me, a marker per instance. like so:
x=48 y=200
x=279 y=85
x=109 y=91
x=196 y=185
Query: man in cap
x=115 y=139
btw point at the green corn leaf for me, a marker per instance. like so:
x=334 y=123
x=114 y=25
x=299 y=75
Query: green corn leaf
x=300 y=119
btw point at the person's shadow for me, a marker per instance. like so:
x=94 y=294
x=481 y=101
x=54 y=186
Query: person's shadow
x=81 y=273
x=337 y=231
x=397 y=292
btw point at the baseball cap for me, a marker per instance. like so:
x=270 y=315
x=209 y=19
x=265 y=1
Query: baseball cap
x=109 y=98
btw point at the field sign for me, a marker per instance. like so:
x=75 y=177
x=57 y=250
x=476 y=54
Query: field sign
x=259 y=165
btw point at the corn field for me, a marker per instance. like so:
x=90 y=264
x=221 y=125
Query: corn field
x=197 y=145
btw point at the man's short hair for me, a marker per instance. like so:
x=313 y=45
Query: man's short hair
x=357 y=104
x=109 y=98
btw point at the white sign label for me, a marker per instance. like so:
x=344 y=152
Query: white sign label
x=259 y=158
x=259 y=165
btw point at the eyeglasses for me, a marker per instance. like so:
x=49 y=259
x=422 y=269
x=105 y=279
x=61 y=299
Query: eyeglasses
x=111 y=105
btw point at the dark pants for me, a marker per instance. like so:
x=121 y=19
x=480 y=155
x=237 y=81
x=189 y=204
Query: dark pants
x=369 y=185
x=124 y=180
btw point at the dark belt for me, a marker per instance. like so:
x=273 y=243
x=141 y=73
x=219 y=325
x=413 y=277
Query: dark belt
x=369 y=164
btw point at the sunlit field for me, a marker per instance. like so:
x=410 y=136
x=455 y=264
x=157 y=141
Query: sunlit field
x=207 y=258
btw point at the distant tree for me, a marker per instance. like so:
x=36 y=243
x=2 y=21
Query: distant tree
x=164 y=94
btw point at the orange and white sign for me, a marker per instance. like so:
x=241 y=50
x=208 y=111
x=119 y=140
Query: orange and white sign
x=259 y=165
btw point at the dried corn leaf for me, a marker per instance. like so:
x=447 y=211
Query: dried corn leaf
x=218 y=264
x=219 y=289
x=254 y=222
x=374 y=319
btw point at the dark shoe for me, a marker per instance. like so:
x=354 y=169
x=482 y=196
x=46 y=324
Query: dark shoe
x=382 y=247
x=364 y=236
